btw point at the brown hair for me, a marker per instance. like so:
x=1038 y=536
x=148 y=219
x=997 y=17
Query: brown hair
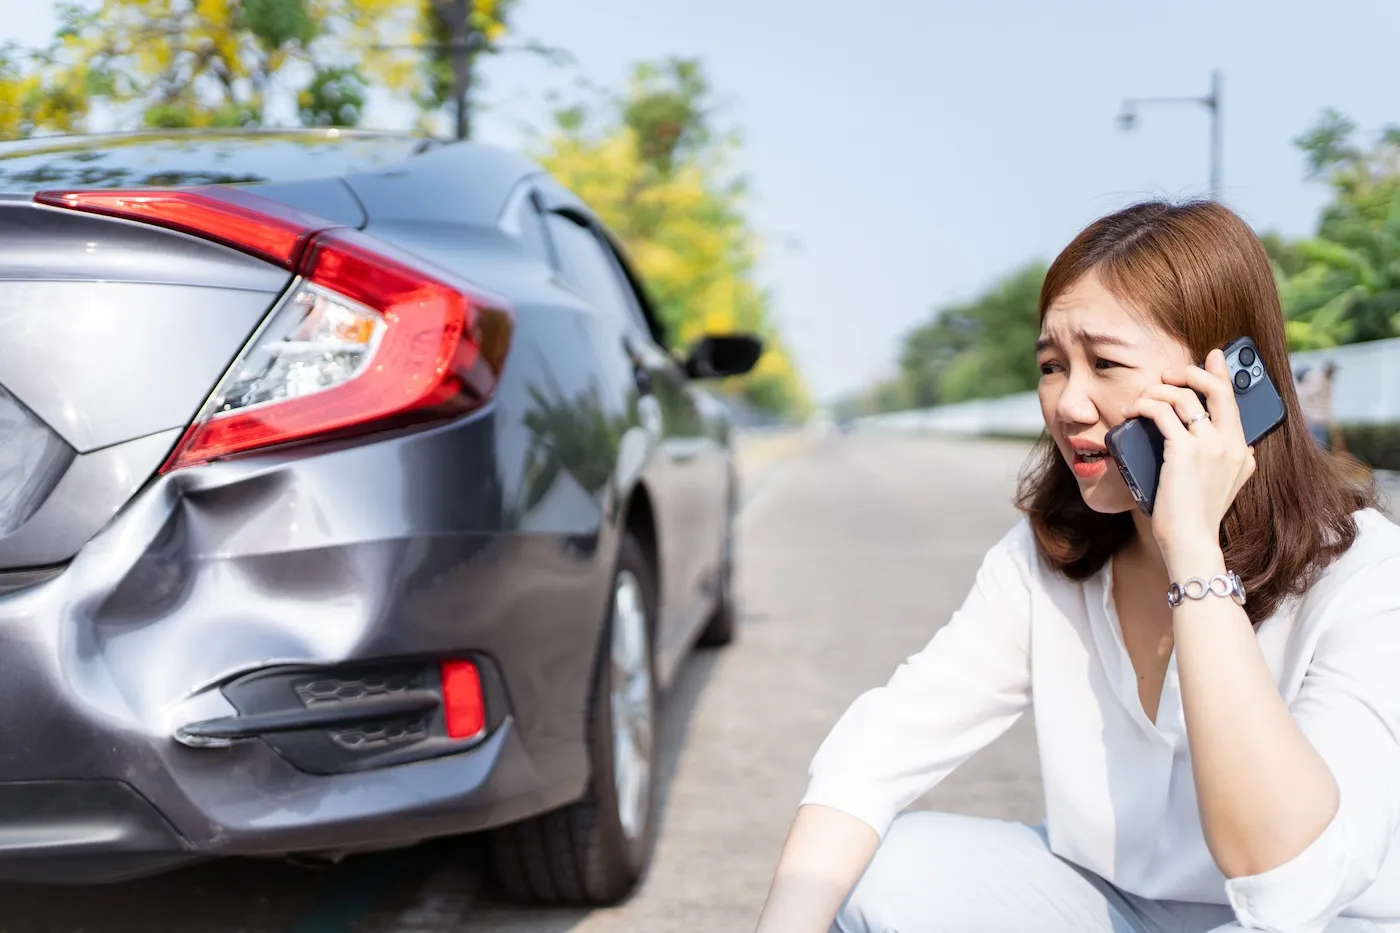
x=1199 y=273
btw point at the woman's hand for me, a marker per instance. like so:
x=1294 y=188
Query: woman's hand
x=1205 y=462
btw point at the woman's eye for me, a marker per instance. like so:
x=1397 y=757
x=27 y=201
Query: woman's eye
x=1105 y=364
x=1047 y=369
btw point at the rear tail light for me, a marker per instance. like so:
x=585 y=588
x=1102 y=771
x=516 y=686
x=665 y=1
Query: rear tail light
x=247 y=222
x=363 y=340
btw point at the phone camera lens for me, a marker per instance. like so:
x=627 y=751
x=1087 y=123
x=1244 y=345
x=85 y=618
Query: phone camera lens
x=1242 y=380
x=1247 y=356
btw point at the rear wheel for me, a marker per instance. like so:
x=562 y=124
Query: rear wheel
x=595 y=851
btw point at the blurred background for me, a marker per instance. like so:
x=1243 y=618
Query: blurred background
x=877 y=191
x=875 y=188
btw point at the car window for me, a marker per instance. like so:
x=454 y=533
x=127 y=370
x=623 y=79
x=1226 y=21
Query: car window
x=635 y=302
x=586 y=266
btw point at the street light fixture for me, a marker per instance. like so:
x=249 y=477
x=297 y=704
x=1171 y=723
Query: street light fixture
x=1128 y=117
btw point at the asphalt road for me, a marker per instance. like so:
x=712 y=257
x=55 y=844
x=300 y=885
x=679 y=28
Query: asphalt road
x=853 y=550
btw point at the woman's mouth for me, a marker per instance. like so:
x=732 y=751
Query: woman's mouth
x=1090 y=462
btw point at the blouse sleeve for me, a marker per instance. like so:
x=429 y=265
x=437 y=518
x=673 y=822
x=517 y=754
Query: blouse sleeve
x=952 y=698
x=1349 y=709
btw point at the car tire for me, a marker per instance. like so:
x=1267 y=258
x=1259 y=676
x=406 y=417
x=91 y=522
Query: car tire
x=594 y=852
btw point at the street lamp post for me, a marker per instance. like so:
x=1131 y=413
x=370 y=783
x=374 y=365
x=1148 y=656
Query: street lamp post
x=1127 y=119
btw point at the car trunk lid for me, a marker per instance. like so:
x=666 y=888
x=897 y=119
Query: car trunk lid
x=114 y=335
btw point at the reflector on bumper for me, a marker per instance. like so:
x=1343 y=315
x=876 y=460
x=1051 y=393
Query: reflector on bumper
x=359 y=716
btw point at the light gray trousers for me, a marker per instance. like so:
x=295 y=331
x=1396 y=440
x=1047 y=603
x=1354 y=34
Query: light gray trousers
x=943 y=873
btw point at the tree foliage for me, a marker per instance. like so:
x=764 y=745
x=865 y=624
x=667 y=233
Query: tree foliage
x=980 y=348
x=31 y=101
x=193 y=63
x=652 y=165
x=1343 y=285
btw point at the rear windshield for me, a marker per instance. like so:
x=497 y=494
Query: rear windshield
x=195 y=158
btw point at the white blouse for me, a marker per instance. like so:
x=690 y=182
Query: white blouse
x=1119 y=795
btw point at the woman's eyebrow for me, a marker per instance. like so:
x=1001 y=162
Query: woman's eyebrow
x=1102 y=340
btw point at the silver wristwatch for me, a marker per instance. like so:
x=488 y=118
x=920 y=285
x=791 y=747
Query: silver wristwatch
x=1222 y=584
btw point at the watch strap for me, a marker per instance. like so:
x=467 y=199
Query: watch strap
x=1227 y=584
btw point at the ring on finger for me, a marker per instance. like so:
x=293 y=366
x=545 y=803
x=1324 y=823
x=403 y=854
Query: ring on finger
x=1203 y=416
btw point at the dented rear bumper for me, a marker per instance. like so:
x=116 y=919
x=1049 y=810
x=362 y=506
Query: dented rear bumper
x=362 y=560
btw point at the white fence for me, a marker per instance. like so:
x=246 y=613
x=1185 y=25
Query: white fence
x=1365 y=390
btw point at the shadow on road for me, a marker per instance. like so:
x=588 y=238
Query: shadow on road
x=458 y=897
x=440 y=885
x=227 y=896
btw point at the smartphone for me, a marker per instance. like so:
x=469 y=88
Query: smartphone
x=1136 y=444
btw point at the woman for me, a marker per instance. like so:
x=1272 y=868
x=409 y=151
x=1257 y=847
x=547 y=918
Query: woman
x=1225 y=763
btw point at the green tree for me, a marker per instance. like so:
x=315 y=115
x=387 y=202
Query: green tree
x=976 y=349
x=668 y=111
x=1283 y=253
x=335 y=97
x=926 y=354
x=1343 y=285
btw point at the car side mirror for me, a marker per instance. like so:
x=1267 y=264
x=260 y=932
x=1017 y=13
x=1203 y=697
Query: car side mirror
x=717 y=356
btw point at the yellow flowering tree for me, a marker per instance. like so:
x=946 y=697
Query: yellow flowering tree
x=33 y=97
x=650 y=164
x=179 y=63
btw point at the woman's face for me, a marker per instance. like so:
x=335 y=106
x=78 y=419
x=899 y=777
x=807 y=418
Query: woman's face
x=1094 y=359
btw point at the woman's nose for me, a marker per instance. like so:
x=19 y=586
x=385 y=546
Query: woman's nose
x=1075 y=405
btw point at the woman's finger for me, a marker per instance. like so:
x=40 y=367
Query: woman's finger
x=1214 y=383
x=1162 y=414
x=1189 y=406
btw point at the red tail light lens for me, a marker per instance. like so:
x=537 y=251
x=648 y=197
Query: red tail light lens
x=363 y=340
x=463 y=706
x=265 y=228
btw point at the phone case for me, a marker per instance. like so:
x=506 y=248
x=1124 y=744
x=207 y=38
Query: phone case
x=1137 y=445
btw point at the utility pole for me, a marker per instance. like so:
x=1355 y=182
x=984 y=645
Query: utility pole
x=462 y=47
x=464 y=44
x=1127 y=119
x=1213 y=102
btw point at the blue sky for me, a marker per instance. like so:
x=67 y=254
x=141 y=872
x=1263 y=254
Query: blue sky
x=905 y=153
